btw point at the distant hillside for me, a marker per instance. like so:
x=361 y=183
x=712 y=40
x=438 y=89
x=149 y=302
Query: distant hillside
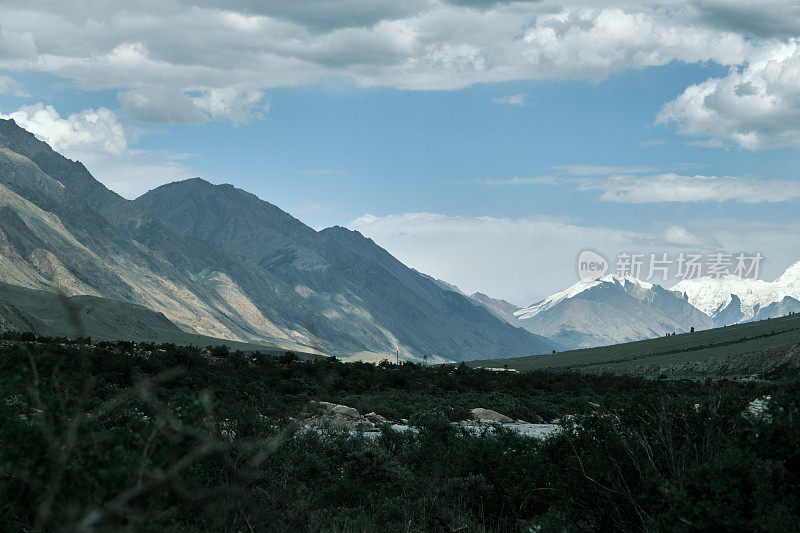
x=500 y=308
x=741 y=350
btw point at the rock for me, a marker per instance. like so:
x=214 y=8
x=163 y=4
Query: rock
x=487 y=416
x=595 y=405
x=331 y=421
x=758 y=408
x=365 y=426
x=375 y=418
x=337 y=409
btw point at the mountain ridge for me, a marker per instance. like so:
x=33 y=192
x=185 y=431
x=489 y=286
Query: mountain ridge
x=256 y=274
x=611 y=310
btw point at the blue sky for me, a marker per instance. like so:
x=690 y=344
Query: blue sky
x=492 y=170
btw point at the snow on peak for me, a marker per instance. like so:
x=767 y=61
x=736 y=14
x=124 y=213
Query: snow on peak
x=574 y=290
x=790 y=275
x=713 y=294
x=622 y=280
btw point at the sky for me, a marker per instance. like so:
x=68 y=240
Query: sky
x=486 y=143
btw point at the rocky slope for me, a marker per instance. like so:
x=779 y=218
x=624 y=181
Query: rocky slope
x=352 y=282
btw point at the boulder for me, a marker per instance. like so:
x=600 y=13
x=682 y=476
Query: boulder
x=487 y=416
x=337 y=409
x=365 y=426
x=375 y=418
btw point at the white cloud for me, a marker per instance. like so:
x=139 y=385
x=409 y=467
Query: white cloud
x=91 y=130
x=634 y=185
x=9 y=85
x=777 y=18
x=155 y=105
x=754 y=107
x=604 y=170
x=520 y=100
x=525 y=259
x=678 y=235
x=98 y=139
x=537 y=180
x=225 y=55
x=677 y=188
x=237 y=106
x=193 y=61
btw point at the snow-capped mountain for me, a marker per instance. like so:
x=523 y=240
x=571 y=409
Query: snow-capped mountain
x=731 y=299
x=574 y=290
x=611 y=310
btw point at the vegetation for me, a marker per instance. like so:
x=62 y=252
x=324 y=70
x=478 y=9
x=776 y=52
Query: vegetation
x=164 y=437
x=768 y=340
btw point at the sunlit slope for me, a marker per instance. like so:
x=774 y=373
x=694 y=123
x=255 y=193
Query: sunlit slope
x=46 y=313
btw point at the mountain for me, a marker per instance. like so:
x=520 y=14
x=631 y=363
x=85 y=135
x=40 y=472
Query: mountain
x=731 y=299
x=611 y=310
x=52 y=239
x=218 y=261
x=499 y=308
x=355 y=284
x=50 y=314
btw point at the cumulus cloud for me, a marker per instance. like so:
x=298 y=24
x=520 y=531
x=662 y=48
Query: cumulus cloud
x=239 y=107
x=91 y=130
x=98 y=139
x=778 y=19
x=224 y=55
x=156 y=105
x=754 y=107
x=191 y=61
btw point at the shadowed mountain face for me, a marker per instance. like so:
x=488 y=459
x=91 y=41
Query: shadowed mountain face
x=218 y=261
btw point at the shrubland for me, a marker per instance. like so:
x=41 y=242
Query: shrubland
x=109 y=435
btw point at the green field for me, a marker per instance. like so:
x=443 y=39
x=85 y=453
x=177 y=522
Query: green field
x=742 y=349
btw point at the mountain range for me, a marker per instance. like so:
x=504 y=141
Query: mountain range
x=191 y=261
x=612 y=309
x=730 y=299
x=214 y=261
